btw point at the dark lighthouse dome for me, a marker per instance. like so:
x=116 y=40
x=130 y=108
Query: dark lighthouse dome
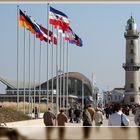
x=131 y=24
x=131 y=20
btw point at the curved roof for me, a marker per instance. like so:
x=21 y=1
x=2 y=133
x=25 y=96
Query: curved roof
x=8 y=82
x=13 y=83
x=78 y=76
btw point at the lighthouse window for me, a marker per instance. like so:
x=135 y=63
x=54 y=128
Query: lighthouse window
x=132 y=99
x=132 y=43
x=131 y=51
x=131 y=85
x=131 y=60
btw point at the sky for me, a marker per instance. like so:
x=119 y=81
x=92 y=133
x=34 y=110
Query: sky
x=101 y=27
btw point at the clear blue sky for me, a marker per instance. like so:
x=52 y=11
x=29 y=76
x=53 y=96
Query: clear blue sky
x=101 y=27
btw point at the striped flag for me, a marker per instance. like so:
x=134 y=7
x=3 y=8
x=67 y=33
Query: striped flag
x=58 y=19
x=22 y=19
x=73 y=38
x=38 y=30
x=51 y=36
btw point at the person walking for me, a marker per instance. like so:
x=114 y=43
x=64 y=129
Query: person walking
x=98 y=117
x=87 y=121
x=137 y=116
x=62 y=119
x=118 y=118
x=71 y=114
x=49 y=118
x=91 y=111
x=107 y=112
x=77 y=113
x=35 y=111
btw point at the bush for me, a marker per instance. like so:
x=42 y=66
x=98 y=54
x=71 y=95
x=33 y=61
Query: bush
x=11 y=115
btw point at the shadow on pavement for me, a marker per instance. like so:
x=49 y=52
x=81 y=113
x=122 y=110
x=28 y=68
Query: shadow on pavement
x=65 y=133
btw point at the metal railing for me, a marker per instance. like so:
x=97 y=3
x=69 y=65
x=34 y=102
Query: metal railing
x=131 y=33
x=131 y=64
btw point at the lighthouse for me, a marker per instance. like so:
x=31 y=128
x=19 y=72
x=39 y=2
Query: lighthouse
x=131 y=65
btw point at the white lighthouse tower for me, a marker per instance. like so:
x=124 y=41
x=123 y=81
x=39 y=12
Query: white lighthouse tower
x=131 y=65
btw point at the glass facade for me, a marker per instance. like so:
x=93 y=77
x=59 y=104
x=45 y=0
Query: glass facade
x=74 y=87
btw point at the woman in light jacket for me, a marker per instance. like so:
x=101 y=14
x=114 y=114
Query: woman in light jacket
x=98 y=117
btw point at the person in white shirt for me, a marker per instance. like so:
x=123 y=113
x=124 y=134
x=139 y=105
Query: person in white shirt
x=98 y=117
x=117 y=118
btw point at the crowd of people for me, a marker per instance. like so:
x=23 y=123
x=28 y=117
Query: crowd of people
x=121 y=113
x=116 y=114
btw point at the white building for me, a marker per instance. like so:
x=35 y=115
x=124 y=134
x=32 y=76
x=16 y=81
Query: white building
x=114 y=96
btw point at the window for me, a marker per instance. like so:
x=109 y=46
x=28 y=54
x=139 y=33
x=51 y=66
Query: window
x=132 y=43
x=132 y=99
x=115 y=97
x=131 y=51
x=131 y=85
x=131 y=61
x=119 y=97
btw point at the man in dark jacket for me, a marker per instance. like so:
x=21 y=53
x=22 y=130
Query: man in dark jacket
x=49 y=118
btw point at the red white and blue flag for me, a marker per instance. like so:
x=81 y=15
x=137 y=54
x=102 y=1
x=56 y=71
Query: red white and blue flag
x=73 y=38
x=48 y=35
x=42 y=33
x=59 y=20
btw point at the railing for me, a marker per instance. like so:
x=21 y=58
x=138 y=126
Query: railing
x=131 y=65
x=131 y=33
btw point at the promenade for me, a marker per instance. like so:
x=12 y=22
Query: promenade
x=35 y=129
x=39 y=122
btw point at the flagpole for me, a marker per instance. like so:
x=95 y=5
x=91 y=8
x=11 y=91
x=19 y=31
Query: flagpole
x=57 y=82
x=34 y=73
x=17 y=58
x=47 y=54
x=60 y=70
x=92 y=86
x=39 y=76
x=52 y=68
x=92 y=83
x=63 y=72
x=24 y=69
x=67 y=73
x=29 y=73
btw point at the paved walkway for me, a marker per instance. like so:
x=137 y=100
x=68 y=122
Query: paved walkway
x=34 y=129
x=39 y=122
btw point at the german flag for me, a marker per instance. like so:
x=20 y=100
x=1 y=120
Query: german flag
x=22 y=19
x=30 y=24
x=25 y=21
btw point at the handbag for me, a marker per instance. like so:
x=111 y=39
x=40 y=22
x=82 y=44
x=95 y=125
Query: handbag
x=101 y=122
x=122 y=124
